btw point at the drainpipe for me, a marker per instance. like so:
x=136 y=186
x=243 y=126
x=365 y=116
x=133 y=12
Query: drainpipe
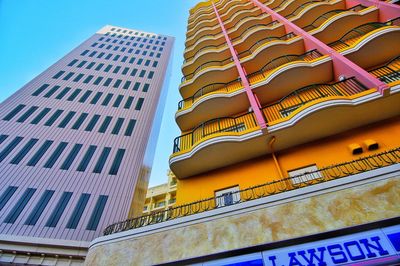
x=278 y=167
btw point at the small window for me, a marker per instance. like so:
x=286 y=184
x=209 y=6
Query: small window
x=56 y=154
x=146 y=87
x=39 y=208
x=227 y=196
x=117 y=162
x=14 y=112
x=40 y=116
x=51 y=91
x=98 y=80
x=73 y=62
x=107 y=68
x=39 y=153
x=117 y=68
x=81 y=64
x=68 y=76
x=91 y=64
x=27 y=114
x=127 y=85
x=139 y=62
x=151 y=74
x=53 y=118
x=9 y=148
x=142 y=73
x=6 y=196
x=117 y=126
x=107 y=99
x=136 y=86
x=97 y=213
x=77 y=78
x=118 y=101
x=139 y=104
x=129 y=129
x=92 y=123
x=24 y=151
x=125 y=71
x=71 y=157
x=85 y=96
x=80 y=121
x=74 y=95
x=88 y=79
x=155 y=63
x=106 y=123
x=96 y=98
x=102 y=160
x=66 y=119
x=40 y=89
x=59 y=209
x=117 y=83
x=78 y=211
x=128 y=102
x=63 y=93
x=107 y=82
x=98 y=68
x=59 y=74
x=134 y=71
x=305 y=174
x=86 y=158
x=84 y=52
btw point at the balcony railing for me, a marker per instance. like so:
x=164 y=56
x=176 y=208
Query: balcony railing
x=279 y=61
x=388 y=73
x=228 y=87
x=324 y=17
x=301 y=7
x=207 y=64
x=300 y=97
x=326 y=174
x=272 y=23
x=355 y=34
x=219 y=125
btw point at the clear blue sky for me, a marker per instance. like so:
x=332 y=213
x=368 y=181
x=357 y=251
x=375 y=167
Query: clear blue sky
x=34 y=34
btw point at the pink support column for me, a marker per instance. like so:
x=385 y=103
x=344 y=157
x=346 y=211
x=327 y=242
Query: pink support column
x=341 y=65
x=387 y=11
x=253 y=102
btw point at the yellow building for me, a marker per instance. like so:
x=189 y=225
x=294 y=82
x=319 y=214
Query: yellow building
x=290 y=149
x=161 y=197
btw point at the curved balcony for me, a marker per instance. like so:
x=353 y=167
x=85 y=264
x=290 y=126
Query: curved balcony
x=224 y=71
x=287 y=7
x=206 y=103
x=362 y=32
x=389 y=72
x=274 y=3
x=339 y=24
x=306 y=14
x=327 y=15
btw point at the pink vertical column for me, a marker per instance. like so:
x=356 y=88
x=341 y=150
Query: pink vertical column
x=341 y=65
x=253 y=102
x=387 y=11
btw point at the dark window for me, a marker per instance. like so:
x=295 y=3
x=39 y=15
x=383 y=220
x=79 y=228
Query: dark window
x=134 y=71
x=92 y=123
x=98 y=80
x=51 y=91
x=107 y=68
x=86 y=158
x=116 y=69
x=125 y=57
x=97 y=212
x=102 y=160
x=24 y=151
x=116 y=57
x=89 y=78
x=66 y=119
x=85 y=52
x=117 y=126
x=105 y=124
x=93 y=53
x=98 y=68
x=3 y=138
x=107 y=82
x=128 y=102
x=80 y=121
x=59 y=209
x=96 y=98
x=101 y=55
x=139 y=104
x=151 y=74
x=39 y=208
x=68 y=76
x=40 y=152
x=142 y=73
x=107 y=99
x=56 y=154
x=14 y=112
x=6 y=196
x=108 y=56
x=125 y=71
x=56 y=76
x=131 y=126
x=127 y=84
x=117 y=162
x=132 y=60
x=117 y=83
x=118 y=100
x=78 y=78
x=146 y=87
x=85 y=96
x=71 y=157
x=147 y=63
x=40 y=116
x=136 y=86
x=74 y=95
x=53 y=118
x=81 y=64
x=73 y=62
x=40 y=89
x=91 y=64
x=139 y=62
x=78 y=211
x=9 y=148
x=27 y=114
x=63 y=93
x=19 y=206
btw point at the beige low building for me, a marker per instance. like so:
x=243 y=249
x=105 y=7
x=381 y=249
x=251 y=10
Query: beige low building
x=161 y=197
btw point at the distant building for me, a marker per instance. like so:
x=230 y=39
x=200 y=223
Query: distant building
x=77 y=143
x=161 y=197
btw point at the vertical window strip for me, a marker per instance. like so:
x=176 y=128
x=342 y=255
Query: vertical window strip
x=51 y=91
x=139 y=104
x=19 y=206
x=131 y=126
x=39 y=154
x=53 y=118
x=102 y=160
x=27 y=114
x=63 y=93
x=97 y=213
x=24 y=151
x=106 y=123
x=6 y=196
x=40 y=116
x=117 y=126
x=9 y=148
x=118 y=100
x=14 y=112
x=80 y=121
x=85 y=96
x=56 y=154
x=86 y=158
x=78 y=211
x=92 y=123
x=40 y=89
x=128 y=102
x=66 y=119
x=96 y=97
x=117 y=162
x=59 y=209
x=71 y=157
x=74 y=95
x=39 y=208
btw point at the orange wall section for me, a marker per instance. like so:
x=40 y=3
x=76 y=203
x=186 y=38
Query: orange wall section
x=323 y=152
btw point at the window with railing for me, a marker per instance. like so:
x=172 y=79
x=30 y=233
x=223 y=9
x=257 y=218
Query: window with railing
x=305 y=174
x=160 y=204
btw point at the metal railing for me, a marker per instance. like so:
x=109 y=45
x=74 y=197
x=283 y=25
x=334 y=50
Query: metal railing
x=301 y=7
x=355 y=34
x=326 y=174
x=300 y=97
x=215 y=87
x=214 y=126
x=274 y=63
x=389 y=72
x=207 y=64
x=324 y=17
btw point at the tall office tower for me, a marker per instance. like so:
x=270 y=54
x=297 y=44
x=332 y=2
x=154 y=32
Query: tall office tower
x=73 y=155
x=290 y=125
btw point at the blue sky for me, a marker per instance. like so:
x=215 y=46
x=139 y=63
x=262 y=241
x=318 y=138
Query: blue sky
x=34 y=34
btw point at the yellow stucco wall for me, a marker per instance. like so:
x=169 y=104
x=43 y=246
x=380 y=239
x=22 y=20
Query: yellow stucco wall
x=323 y=153
x=334 y=210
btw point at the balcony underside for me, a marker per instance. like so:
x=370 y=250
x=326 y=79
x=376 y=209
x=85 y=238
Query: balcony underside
x=306 y=124
x=338 y=25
